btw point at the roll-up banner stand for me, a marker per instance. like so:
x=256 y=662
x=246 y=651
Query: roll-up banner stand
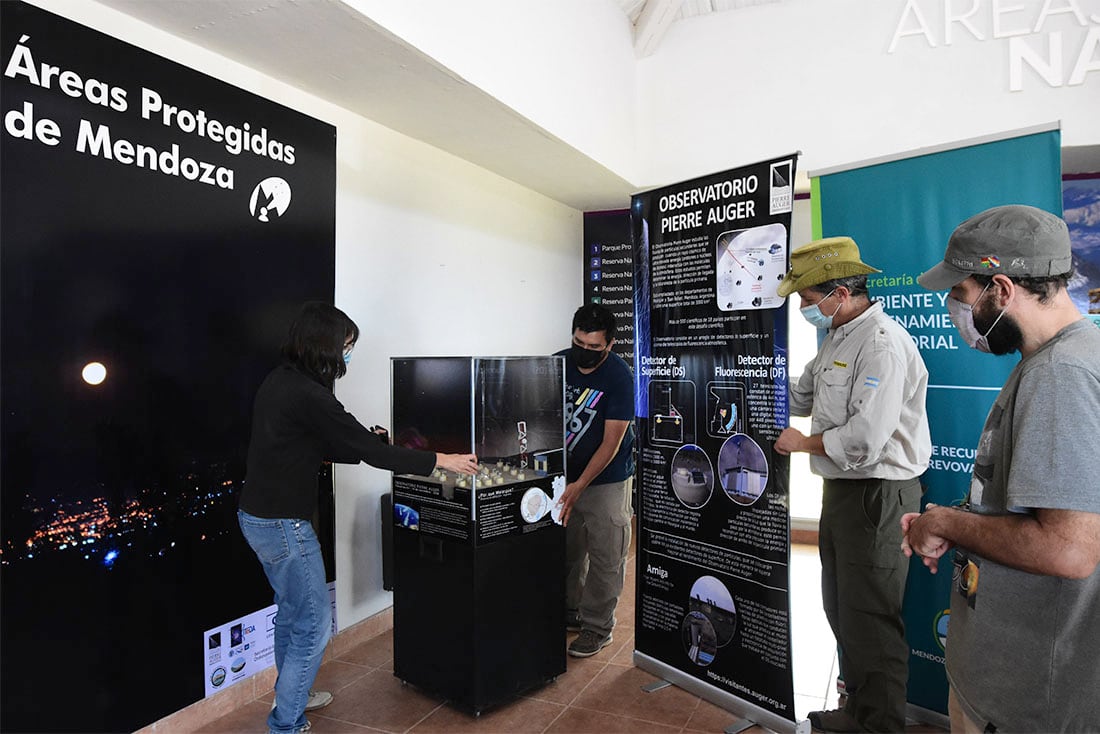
x=901 y=211
x=713 y=603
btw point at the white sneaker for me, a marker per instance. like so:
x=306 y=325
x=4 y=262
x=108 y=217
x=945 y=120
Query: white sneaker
x=318 y=700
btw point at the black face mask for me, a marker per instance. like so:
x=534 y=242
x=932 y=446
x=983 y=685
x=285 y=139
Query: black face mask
x=586 y=359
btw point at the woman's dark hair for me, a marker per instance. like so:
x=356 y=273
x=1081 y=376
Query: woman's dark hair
x=594 y=317
x=315 y=343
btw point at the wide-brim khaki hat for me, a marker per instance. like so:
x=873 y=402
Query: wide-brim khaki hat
x=821 y=261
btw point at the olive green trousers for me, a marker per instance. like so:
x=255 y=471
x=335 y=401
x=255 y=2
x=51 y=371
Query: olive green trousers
x=863 y=574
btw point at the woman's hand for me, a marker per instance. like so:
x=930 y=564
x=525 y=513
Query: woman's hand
x=460 y=463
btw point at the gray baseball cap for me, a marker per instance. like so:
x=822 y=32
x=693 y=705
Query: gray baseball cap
x=1015 y=240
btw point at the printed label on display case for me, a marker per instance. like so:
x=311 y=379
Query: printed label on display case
x=433 y=506
x=518 y=508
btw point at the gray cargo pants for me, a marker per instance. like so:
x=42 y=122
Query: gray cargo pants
x=597 y=540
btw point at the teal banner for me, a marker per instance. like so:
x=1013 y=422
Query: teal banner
x=901 y=214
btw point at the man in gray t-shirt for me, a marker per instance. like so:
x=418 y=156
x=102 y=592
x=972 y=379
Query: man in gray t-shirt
x=1023 y=647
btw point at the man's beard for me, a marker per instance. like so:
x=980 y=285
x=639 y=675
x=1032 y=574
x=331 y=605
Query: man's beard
x=1005 y=337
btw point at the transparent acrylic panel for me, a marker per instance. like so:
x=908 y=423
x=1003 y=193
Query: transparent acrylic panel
x=432 y=400
x=519 y=411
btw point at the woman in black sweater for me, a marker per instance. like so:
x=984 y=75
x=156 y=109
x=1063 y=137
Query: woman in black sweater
x=298 y=423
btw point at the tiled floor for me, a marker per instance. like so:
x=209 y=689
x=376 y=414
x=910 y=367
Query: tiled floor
x=597 y=694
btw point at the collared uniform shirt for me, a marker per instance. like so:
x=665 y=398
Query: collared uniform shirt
x=866 y=392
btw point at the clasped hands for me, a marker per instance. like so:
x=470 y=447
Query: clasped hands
x=921 y=535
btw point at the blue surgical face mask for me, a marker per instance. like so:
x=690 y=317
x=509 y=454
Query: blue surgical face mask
x=814 y=315
x=347 y=355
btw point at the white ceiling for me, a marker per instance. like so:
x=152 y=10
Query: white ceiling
x=652 y=18
x=689 y=8
x=332 y=51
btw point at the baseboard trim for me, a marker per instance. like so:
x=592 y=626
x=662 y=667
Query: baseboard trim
x=206 y=710
x=803 y=537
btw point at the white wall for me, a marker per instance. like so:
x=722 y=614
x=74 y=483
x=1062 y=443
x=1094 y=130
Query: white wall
x=841 y=80
x=566 y=65
x=817 y=76
x=805 y=486
x=433 y=256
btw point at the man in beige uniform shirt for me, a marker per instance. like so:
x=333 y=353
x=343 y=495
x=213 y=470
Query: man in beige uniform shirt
x=869 y=442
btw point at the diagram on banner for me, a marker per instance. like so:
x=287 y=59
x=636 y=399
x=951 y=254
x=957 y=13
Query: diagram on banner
x=743 y=469
x=673 y=418
x=692 y=476
x=726 y=406
x=750 y=264
x=712 y=599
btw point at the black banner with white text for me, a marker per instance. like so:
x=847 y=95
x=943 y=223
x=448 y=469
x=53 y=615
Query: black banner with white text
x=711 y=368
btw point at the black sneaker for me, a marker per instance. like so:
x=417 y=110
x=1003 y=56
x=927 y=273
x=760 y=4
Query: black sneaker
x=588 y=643
x=835 y=720
x=572 y=621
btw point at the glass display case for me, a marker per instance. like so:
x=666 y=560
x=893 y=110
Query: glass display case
x=479 y=561
x=506 y=410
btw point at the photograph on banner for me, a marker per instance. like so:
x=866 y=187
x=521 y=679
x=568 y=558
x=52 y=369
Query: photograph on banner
x=711 y=398
x=169 y=226
x=1081 y=204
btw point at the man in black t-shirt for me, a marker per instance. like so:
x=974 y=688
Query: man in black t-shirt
x=596 y=506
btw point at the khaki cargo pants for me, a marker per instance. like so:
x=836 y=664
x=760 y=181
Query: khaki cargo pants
x=597 y=540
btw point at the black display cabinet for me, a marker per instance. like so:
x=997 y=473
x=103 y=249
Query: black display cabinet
x=479 y=562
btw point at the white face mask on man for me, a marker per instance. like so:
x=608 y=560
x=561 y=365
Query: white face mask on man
x=962 y=316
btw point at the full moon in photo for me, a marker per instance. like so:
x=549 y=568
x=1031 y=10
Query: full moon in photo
x=94 y=373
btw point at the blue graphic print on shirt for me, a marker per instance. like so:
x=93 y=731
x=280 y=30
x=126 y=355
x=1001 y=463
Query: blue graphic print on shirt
x=605 y=394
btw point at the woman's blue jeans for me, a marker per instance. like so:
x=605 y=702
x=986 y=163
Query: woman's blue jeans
x=291 y=557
